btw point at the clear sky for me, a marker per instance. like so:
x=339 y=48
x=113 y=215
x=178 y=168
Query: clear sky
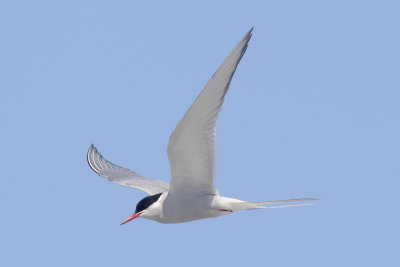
x=313 y=111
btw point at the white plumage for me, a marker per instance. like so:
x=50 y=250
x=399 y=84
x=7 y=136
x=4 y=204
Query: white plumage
x=192 y=194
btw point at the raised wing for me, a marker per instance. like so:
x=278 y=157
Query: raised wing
x=123 y=176
x=191 y=149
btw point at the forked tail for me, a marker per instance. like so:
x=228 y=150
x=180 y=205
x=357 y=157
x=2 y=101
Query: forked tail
x=270 y=204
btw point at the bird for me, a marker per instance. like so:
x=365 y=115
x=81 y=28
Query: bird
x=192 y=193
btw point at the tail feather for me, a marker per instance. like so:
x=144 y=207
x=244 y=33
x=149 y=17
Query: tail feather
x=284 y=201
x=270 y=204
x=286 y=206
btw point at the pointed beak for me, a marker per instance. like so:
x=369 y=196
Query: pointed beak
x=130 y=218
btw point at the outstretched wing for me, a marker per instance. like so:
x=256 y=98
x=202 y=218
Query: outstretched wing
x=191 y=149
x=123 y=176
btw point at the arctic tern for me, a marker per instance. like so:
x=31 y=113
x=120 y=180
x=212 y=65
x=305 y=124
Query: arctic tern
x=191 y=194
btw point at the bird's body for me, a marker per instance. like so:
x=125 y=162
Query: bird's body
x=192 y=194
x=176 y=209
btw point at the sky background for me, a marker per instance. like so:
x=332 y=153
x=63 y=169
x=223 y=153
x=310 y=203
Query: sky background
x=313 y=111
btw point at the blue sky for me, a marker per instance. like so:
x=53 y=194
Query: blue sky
x=313 y=111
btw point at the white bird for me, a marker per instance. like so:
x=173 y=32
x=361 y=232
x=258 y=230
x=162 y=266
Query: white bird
x=192 y=194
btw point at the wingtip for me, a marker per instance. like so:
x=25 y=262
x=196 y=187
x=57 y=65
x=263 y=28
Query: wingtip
x=249 y=34
x=92 y=149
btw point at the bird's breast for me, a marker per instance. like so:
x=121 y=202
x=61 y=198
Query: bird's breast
x=177 y=209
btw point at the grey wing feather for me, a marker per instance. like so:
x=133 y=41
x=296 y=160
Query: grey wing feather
x=191 y=149
x=123 y=176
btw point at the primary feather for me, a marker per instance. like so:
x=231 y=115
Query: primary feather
x=123 y=176
x=191 y=149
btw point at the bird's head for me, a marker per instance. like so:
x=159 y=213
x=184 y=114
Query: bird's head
x=145 y=208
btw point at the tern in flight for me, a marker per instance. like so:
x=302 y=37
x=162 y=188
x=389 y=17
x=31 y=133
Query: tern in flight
x=191 y=194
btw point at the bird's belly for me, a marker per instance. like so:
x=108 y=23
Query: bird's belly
x=178 y=209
